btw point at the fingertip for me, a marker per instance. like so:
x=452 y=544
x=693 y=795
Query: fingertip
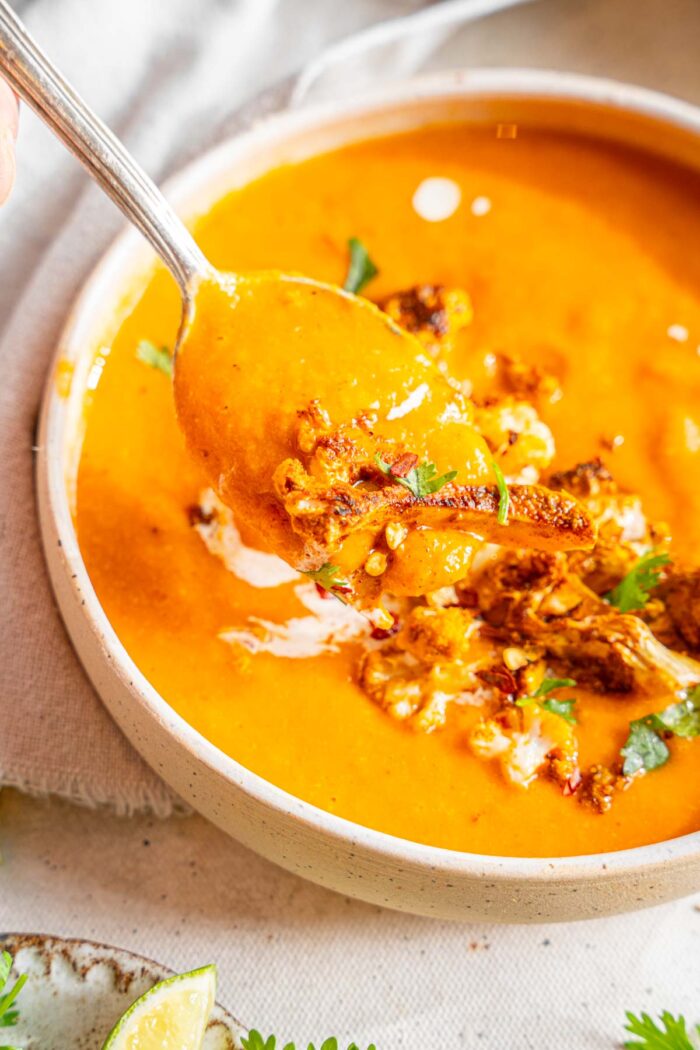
x=8 y=166
x=9 y=109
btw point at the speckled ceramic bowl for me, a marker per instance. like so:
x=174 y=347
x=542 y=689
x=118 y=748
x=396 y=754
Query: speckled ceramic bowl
x=78 y=990
x=349 y=858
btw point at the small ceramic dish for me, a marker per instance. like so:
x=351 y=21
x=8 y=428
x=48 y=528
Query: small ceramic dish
x=77 y=990
x=349 y=858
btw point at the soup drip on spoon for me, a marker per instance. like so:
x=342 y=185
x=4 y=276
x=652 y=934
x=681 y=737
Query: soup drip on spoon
x=324 y=426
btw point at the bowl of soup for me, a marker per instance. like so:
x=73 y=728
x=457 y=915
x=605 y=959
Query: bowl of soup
x=513 y=739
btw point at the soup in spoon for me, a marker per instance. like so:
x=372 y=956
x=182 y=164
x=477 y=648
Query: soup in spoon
x=321 y=422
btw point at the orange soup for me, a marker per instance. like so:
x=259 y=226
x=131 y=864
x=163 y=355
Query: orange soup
x=575 y=260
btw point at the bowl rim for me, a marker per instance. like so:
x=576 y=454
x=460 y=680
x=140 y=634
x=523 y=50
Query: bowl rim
x=194 y=183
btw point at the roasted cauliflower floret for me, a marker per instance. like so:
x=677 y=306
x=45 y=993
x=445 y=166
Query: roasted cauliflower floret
x=536 y=595
x=438 y=635
x=434 y=660
x=527 y=742
x=516 y=435
x=599 y=785
x=624 y=533
x=522 y=590
x=431 y=312
x=618 y=653
x=525 y=382
x=681 y=596
x=411 y=691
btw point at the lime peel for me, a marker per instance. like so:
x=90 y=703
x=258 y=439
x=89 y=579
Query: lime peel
x=173 y=1015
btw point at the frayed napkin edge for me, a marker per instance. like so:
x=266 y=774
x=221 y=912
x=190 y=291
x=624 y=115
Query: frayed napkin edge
x=154 y=799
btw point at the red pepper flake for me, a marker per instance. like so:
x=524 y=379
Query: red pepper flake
x=196 y=515
x=572 y=784
x=403 y=466
x=501 y=679
x=322 y=592
x=468 y=598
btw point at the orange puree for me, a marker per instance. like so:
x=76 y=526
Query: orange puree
x=582 y=264
x=261 y=348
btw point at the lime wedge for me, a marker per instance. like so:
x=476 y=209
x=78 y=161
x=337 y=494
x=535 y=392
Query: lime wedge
x=173 y=1015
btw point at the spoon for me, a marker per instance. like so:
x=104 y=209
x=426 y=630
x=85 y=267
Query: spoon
x=293 y=393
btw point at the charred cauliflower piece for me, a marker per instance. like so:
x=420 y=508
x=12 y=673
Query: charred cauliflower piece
x=438 y=635
x=618 y=653
x=346 y=486
x=681 y=597
x=624 y=534
x=527 y=742
x=516 y=435
x=599 y=785
x=521 y=591
x=537 y=597
x=432 y=313
x=433 y=660
x=523 y=381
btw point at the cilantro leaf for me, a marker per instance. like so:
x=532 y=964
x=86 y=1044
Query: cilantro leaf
x=158 y=357
x=327 y=577
x=255 y=1041
x=8 y=1017
x=682 y=719
x=503 y=494
x=421 y=480
x=673 y=1036
x=548 y=685
x=632 y=592
x=563 y=708
x=644 y=749
x=361 y=269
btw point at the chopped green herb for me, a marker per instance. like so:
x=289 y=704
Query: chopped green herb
x=682 y=719
x=563 y=708
x=255 y=1041
x=644 y=749
x=421 y=480
x=327 y=577
x=361 y=269
x=673 y=1036
x=503 y=494
x=8 y=1017
x=156 y=356
x=548 y=685
x=632 y=592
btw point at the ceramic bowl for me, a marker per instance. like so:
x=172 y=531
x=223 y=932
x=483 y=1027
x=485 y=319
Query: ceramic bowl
x=318 y=845
x=77 y=990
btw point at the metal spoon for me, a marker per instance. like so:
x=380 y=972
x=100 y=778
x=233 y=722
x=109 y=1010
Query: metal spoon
x=254 y=349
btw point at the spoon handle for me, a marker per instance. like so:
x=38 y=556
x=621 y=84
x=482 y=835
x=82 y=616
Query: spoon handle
x=37 y=81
